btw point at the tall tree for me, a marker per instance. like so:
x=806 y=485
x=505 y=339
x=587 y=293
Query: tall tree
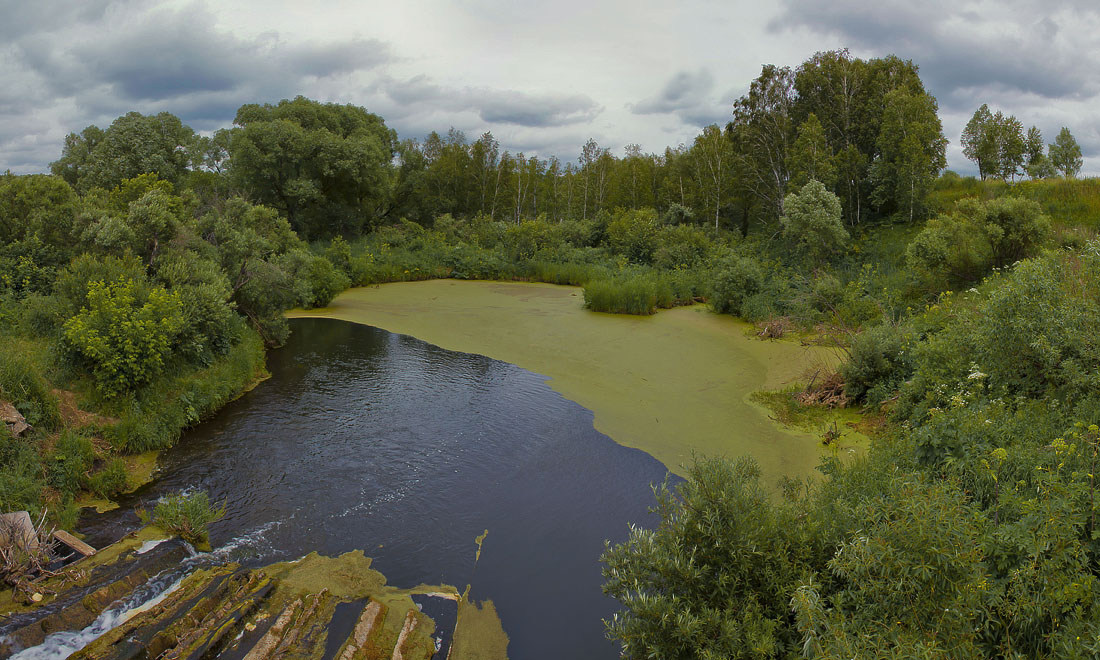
x=1065 y=154
x=911 y=152
x=761 y=133
x=979 y=142
x=1011 y=145
x=134 y=144
x=713 y=155
x=811 y=157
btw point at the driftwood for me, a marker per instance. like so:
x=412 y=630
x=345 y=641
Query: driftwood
x=773 y=328
x=826 y=391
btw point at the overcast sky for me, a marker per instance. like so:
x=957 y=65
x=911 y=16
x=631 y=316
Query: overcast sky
x=542 y=76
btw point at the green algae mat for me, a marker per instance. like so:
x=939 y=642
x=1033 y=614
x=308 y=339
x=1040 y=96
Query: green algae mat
x=672 y=384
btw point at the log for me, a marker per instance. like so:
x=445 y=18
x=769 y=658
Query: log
x=74 y=543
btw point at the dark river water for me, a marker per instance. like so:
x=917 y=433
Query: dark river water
x=363 y=439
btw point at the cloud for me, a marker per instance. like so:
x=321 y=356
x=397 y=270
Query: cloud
x=684 y=90
x=495 y=106
x=89 y=62
x=688 y=95
x=962 y=47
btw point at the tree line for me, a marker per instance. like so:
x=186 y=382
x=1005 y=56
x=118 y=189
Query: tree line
x=866 y=129
x=999 y=147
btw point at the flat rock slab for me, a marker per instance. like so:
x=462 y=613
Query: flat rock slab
x=18 y=529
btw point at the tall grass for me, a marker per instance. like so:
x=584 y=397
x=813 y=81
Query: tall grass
x=22 y=383
x=643 y=293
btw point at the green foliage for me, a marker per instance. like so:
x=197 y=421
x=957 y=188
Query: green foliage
x=189 y=515
x=20 y=474
x=155 y=417
x=959 y=249
x=340 y=154
x=811 y=158
x=634 y=295
x=811 y=222
x=37 y=205
x=735 y=281
x=28 y=266
x=70 y=462
x=124 y=334
x=879 y=362
x=634 y=235
x=133 y=145
x=1065 y=154
x=209 y=325
x=716 y=576
x=912 y=153
x=111 y=481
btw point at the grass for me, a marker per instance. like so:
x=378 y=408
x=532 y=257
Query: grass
x=189 y=515
x=1069 y=202
x=22 y=383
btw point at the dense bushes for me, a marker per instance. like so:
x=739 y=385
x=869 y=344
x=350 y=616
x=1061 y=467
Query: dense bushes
x=879 y=362
x=959 y=249
x=155 y=418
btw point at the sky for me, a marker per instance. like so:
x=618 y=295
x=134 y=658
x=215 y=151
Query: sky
x=542 y=76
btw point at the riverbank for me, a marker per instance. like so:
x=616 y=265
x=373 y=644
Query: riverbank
x=673 y=384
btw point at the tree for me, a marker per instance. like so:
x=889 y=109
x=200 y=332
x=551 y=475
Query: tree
x=811 y=221
x=761 y=133
x=133 y=145
x=811 y=157
x=712 y=154
x=325 y=165
x=1011 y=145
x=911 y=152
x=1065 y=154
x=1033 y=146
x=979 y=142
x=714 y=578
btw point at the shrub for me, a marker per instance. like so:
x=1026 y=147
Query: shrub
x=22 y=384
x=124 y=338
x=634 y=234
x=879 y=363
x=812 y=222
x=70 y=462
x=189 y=515
x=20 y=474
x=735 y=281
x=682 y=246
x=156 y=418
x=958 y=249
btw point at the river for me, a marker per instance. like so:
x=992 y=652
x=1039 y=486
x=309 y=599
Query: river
x=366 y=439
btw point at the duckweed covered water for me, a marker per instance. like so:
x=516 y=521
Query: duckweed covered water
x=670 y=384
